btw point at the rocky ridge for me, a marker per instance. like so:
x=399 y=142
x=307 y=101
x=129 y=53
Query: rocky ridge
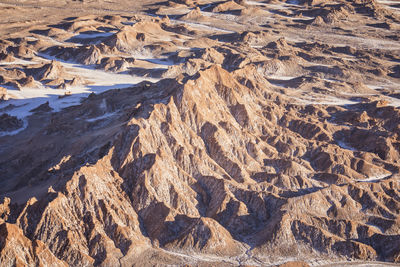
x=251 y=148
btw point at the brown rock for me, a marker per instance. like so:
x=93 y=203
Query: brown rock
x=18 y=250
x=3 y=94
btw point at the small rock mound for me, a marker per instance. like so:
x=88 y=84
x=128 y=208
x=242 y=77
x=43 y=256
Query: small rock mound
x=189 y=3
x=28 y=82
x=371 y=8
x=251 y=11
x=9 y=123
x=131 y=37
x=6 y=57
x=227 y=6
x=279 y=44
x=211 y=55
x=87 y=55
x=20 y=51
x=194 y=15
x=114 y=64
x=255 y=38
x=76 y=81
x=395 y=71
x=48 y=71
x=3 y=94
x=126 y=39
x=55 y=82
x=42 y=108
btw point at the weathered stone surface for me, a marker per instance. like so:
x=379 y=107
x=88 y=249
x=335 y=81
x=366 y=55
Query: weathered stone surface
x=236 y=134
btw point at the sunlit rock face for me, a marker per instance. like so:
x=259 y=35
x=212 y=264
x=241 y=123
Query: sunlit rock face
x=204 y=133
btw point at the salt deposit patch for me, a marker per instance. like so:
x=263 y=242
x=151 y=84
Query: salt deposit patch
x=345 y=146
x=146 y=55
x=283 y=78
x=18 y=62
x=375 y=178
x=293 y=2
x=93 y=38
x=102 y=117
x=93 y=35
x=254 y=3
x=389 y=4
x=99 y=81
x=56 y=42
x=393 y=101
x=328 y=100
x=160 y=61
x=201 y=26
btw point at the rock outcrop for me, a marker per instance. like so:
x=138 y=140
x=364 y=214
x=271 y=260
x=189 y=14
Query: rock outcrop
x=228 y=133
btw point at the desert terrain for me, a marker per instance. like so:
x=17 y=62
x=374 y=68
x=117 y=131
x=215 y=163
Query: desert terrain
x=200 y=133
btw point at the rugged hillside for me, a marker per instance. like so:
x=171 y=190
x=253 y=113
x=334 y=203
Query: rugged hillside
x=255 y=142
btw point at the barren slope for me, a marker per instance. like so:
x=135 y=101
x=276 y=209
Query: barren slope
x=202 y=133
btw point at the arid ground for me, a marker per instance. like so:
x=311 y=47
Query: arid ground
x=200 y=133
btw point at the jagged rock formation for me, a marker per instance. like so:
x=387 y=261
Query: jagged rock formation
x=227 y=6
x=255 y=140
x=49 y=71
x=17 y=250
x=206 y=194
